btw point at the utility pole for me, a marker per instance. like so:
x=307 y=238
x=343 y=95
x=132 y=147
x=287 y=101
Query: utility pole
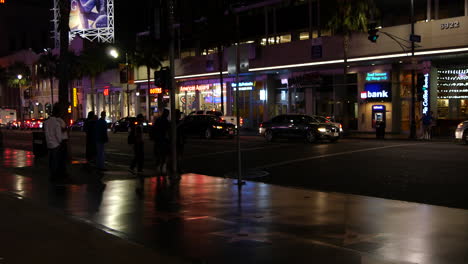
x=413 y=83
x=172 y=90
x=239 y=157
x=128 y=80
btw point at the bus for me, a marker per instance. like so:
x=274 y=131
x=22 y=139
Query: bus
x=7 y=116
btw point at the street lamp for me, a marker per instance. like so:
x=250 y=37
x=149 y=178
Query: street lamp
x=19 y=76
x=115 y=54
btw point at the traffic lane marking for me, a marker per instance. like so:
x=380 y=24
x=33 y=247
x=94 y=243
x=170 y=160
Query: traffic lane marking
x=277 y=164
x=230 y=151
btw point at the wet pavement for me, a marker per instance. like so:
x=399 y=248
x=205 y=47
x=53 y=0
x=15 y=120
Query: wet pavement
x=210 y=220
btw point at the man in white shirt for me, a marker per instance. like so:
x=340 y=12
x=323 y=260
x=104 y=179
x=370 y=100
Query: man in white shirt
x=54 y=137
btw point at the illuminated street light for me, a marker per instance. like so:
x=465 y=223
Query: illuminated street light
x=19 y=76
x=113 y=53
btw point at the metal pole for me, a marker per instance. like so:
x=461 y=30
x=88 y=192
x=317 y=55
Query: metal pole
x=239 y=157
x=128 y=80
x=172 y=88
x=413 y=83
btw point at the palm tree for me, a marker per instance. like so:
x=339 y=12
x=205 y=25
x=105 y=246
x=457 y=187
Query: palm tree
x=93 y=61
x=350 y=16
x=148 y=53
x=47 y=69
x=18 y=75
x=64 y=28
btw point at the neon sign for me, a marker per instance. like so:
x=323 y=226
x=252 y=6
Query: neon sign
x=156 y=90
x=377 y=92
x=198 y=87
x=425 y=89
x=106 y=92
x=377 y=77
x=369 y=94
x=75 y=98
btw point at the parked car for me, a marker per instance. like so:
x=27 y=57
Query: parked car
x=299 y=126
x=13 y=125
x=207 y=126
x=123 y=124
x=461 y=133
x=78 y=125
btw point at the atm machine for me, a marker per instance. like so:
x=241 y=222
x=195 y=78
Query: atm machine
x=378 y=114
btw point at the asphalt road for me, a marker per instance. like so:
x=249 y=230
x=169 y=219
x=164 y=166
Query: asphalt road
x=427 y=172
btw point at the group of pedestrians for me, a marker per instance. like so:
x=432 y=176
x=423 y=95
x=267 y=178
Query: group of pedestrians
x=160 y=134
x=56 y=133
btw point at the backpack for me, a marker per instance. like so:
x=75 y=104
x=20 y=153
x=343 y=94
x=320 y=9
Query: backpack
x=131 y=136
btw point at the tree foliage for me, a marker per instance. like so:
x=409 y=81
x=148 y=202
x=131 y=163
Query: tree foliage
x=352 y=16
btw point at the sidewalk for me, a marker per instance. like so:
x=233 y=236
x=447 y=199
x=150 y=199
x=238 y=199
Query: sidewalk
x=207 y=220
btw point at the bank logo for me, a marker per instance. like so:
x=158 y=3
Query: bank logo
x=369 y=94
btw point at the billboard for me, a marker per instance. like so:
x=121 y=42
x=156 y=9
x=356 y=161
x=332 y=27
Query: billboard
x=89 y=19
x=88 y=14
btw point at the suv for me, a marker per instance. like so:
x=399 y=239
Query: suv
x=299 y=126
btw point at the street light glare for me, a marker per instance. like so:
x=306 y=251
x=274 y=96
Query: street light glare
x=113 y=53
x=19 y=76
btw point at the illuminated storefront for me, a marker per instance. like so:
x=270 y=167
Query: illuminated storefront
x=452 y=93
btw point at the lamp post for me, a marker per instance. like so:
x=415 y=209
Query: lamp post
x=115 y=54
x=20 y=106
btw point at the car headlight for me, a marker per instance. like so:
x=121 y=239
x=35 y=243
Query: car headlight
x=322 y=129
x=218 y=127
x=460 y=125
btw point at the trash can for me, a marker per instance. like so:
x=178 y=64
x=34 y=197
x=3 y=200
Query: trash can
x=380 y=129
x=39 y=144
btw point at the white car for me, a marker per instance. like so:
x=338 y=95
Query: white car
x=461 y=133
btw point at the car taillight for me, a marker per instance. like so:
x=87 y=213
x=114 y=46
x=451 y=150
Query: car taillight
x=261 y=124
x=71 y=122
x=241 y=121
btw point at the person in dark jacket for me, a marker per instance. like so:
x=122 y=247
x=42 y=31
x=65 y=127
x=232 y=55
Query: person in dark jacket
x=101 y=139
x=90 y=130
x=160 y=136
x=136 y=131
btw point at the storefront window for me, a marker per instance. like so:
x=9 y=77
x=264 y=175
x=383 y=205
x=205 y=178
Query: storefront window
x=442 y=108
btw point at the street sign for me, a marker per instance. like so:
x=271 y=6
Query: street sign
x=415 y=38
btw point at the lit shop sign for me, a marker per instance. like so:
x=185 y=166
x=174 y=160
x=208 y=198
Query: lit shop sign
x=425 y=89
x=106 y=92
x=75 y=98
x=156 y=90
x=377 y=77
x=198 y=87
x=244 y=86
x=376 y=92
x=378 y=107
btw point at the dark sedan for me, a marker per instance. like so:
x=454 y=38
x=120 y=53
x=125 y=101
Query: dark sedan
x=78 y=125
x=123 y=124
x=207 y=126
x=299 y=126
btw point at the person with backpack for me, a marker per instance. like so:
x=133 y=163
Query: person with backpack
x=135 y=138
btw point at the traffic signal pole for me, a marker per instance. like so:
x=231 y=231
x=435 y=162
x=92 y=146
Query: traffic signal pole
x=172 y=89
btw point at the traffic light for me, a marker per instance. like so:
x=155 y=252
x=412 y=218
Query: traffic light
x=372 y=31
x=162 y=78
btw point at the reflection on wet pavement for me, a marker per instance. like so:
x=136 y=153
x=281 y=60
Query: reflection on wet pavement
x=206 y=218
x=13 y=158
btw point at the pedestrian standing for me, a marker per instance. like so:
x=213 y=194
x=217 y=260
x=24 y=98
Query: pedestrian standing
x=64 y=156
x=427 y=121
x=161 y=140
x=136 y=138
x=101 y=139
x=180 y=140
x=90 y=129
x=54 y=137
